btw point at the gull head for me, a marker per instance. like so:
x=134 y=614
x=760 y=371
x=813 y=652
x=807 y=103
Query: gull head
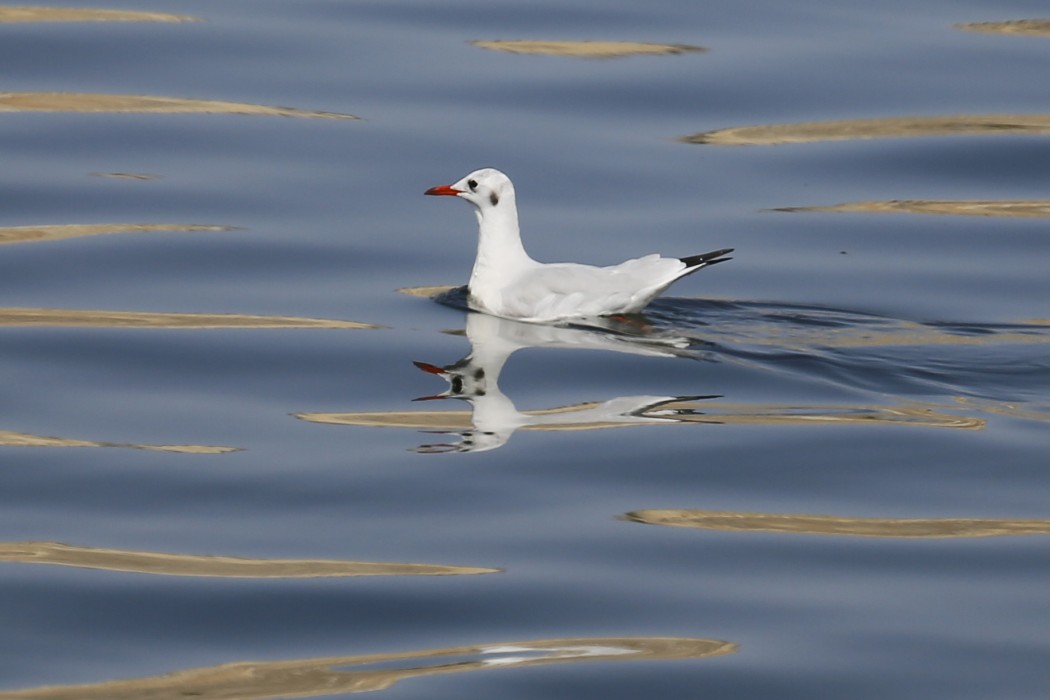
x=486 y=189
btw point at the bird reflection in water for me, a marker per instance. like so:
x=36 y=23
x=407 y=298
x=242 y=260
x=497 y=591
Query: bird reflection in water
x=494 y=417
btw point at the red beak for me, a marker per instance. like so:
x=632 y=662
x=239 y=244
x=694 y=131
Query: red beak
x=443 y=189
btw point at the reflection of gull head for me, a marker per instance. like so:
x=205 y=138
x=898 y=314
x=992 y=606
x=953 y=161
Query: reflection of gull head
x=464 y=381
x=493 y=414
x=475 y=379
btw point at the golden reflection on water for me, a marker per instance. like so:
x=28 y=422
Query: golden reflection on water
x=671 y=412
x=57 y=232
x=69 y=14
x=426 y=292
x=1019 y=208
x=92 y=102
x=588 y=49
x=352 y=674
x=860 y=129
x=925 y=528
x=21 y=317
x=161 y=563
x=1029 y=27
x=9 y=438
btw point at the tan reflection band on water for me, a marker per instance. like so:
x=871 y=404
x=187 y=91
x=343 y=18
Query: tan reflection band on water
x=1017 y=208
x=426 y=292
x=930 y=528
x=161 y=563
x=1029 y=27
x=144 y=319
x=10 y=438
x=58 y=232
x=447 y=420
x=588 y=49
x=69 y=14
x=861 y=129
x=706 y=412
x=90 y=102
x=266 y=680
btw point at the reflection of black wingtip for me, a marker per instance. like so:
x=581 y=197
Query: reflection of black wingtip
x=437 y=448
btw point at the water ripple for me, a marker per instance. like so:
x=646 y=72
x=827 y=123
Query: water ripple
x=1013 y=208
x=57 y=232
x=148 y=104
x=917 y=528
x=1026 y=27
x=69 y=318
x=10 y=438
x=862 y=129
x=85 y=14
x=588 y=49
x=356 y=674
x=165 y=564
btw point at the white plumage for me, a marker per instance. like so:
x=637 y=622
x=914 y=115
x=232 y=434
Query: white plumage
x=507 y=282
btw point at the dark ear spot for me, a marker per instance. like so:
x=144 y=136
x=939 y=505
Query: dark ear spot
x=494 y=198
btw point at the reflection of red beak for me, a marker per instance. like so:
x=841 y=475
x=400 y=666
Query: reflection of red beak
x=430 y=369
x=444 y=189
x=433 y=397
x=427 y=367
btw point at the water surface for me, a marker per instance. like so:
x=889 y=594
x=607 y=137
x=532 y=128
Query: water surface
x=816 y=471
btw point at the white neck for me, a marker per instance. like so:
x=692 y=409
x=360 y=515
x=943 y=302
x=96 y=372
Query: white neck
x=501 y=255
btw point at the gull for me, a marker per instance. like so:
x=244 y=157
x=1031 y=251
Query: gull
x=506 y=282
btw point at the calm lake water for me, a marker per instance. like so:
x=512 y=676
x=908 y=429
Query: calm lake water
x=817 y=471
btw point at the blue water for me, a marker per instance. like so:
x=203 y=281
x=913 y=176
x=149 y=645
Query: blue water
x=876 y=367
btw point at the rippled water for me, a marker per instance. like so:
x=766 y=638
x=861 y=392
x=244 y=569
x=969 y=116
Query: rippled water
x=819 y=470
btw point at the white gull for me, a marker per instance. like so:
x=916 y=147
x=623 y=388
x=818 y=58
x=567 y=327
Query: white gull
x=506 y=282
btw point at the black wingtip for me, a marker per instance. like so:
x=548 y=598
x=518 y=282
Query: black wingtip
x=705 y=259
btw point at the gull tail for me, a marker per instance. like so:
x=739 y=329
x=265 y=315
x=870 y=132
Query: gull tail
x=695 y=262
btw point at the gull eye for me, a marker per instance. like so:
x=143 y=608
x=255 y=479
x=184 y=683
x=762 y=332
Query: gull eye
x=472 y=184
